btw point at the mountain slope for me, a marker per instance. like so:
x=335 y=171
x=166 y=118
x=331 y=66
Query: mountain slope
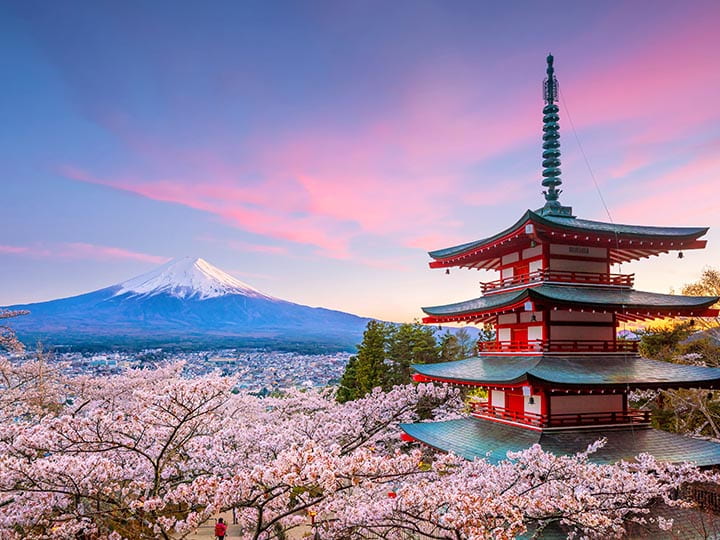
x=186 y=301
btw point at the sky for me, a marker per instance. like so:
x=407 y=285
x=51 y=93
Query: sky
x=317 y=150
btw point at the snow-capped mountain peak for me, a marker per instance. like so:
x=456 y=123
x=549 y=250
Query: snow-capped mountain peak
x=188 y=277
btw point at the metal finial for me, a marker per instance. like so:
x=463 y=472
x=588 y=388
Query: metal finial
x=550 y=83
x=551 y=141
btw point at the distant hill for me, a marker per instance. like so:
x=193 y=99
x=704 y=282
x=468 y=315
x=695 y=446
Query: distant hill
x=186 y=303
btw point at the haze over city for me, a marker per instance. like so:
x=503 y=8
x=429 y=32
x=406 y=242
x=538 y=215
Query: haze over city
x=317 y=150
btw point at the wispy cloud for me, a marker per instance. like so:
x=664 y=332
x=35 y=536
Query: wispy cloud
x=14 y=250
x=405 y=169
x=81 y=250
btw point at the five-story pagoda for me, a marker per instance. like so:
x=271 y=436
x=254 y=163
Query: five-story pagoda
x=557 y=373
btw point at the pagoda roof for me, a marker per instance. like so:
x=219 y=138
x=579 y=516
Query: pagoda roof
x=604 y=298
x=475 y=438
x=558 y=371
x=674 y=237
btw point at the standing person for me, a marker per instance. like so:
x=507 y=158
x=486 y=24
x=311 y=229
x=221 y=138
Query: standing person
x=220 y=529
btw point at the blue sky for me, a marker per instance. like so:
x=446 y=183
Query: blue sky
x=317 y=150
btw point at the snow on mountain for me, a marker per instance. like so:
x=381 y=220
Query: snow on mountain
x=190 y=303
x=186 y=303
x=188 y=277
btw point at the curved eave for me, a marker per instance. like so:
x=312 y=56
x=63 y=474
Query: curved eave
x=615 y=372
x=469 y=247
x=473 y=438
x=635 y=232
x=471 y=309
x=507 y=371
x=627 y=242
x=630 y=303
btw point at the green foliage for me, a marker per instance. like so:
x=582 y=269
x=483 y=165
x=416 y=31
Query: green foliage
x=387 y=351
x=409 y=344
x=367 y=370
x=688 y=410
x=385 y=355
x=450 y=348
x=348 y=382
x=487 y=333
x=456 y=346
x=664 y=343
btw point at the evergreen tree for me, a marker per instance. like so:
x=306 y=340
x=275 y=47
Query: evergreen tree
x=384 y=358
x=467 y=344
x=450 y=348
x=348 y=382
x=368 y=369
x=410 y=344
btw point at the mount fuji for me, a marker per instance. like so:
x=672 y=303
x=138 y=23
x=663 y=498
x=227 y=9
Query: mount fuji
x=185 y=303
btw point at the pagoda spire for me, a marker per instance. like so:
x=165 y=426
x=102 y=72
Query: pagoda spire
x=551 y=146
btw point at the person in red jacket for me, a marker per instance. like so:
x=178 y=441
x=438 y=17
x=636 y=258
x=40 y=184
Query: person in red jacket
x=220 y=529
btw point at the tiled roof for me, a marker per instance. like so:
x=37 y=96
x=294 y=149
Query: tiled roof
x=559 y=371
x=581 y=226
x=474 y=438
x=601 y=297
x=629 y=230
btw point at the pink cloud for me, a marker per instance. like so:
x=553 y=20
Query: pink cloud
x=402 y=172
x=260 y=248
x=80 y=250
x=14 y=250
x=687 y=194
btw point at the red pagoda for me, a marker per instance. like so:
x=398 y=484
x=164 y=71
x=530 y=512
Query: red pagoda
x=557 y=373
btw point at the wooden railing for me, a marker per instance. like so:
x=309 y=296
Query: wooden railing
x=587 y=278
x=631 y=416
x=558 y=345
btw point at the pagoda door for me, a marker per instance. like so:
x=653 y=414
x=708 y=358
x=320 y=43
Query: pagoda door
x=519 y=337
x=514 y=405
x=521 y=271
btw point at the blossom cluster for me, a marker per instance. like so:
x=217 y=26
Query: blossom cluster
x=150 y=454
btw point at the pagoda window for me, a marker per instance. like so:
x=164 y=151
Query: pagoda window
x=535 y=333
x=532 y=253
x=508 y=318
x=579 y=265
x=536 y=406
x=497 y=398
x=535 y=265
x=504 y=334
x=580 y=316
x=583 y=252
x=510 y=258
x=527 y=316
x=507 y=272
x=586 y=403
x=582 y=333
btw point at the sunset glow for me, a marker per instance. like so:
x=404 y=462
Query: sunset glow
x=318 y=150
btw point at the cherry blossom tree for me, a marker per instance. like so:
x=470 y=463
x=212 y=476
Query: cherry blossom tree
x=8 y=339
x=150 y=454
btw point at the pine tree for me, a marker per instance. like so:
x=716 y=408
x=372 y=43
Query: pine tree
x=467 y=344
x=450 y=348
x=384 y=358
x=410 y=344
x=367 y=370
x=348 y=382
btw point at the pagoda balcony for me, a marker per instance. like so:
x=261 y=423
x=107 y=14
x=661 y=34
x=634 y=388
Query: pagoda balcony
x=559 y=276
x=558 y=346
x=482 y=409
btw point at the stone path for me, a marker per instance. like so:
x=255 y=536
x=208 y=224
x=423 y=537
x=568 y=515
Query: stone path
x=207 y=530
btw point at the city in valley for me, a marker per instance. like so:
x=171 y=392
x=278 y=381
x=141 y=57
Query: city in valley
x=257 y=371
